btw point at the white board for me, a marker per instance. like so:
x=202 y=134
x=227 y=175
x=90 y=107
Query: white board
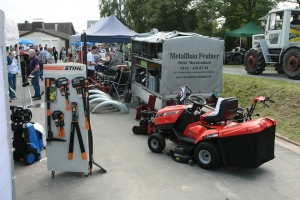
x=57 y=152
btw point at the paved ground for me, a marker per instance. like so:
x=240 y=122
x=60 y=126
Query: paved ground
x=266 y=74
x=134 y=172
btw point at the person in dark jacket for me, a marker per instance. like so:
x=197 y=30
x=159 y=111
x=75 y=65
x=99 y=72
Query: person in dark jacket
x=35 y=73
x=55 y=54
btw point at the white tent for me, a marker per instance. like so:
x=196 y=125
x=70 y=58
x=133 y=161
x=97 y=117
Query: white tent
x=9 y=35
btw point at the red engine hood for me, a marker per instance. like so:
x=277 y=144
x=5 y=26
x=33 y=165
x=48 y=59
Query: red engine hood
x=168 y=115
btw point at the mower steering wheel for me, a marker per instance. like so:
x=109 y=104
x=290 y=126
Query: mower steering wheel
x=198 y=103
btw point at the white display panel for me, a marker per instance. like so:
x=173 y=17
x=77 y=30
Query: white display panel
x=57 y=152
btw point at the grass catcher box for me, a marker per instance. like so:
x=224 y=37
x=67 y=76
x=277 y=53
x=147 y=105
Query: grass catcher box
x=248 y=150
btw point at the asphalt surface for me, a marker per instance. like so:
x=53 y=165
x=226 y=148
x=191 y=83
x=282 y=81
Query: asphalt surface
x=266 y=74
x=134 y=172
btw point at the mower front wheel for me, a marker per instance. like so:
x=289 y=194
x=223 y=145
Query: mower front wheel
x=156 y=143
x=207 y=155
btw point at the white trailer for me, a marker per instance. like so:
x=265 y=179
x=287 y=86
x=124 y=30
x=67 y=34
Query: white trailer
x=165 y=61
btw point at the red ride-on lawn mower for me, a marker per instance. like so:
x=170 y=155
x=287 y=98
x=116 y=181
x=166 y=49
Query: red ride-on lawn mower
x=225 y=135
x=147 y=126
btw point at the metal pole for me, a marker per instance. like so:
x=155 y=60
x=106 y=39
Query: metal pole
x=90 y=134
x=240 y=42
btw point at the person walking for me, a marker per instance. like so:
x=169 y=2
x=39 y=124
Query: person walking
x=13 y=70
x=35 y=73
x=43 y=59
x=50 y=56
x=55 y=54
x=62 y=54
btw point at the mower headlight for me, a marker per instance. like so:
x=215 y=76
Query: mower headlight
x=214 y=135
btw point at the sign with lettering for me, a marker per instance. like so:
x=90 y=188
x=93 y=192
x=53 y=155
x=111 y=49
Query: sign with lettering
x=193 y=61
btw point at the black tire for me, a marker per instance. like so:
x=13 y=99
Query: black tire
x=136 y=130
x=254 y=62
x=207 y=155
x=280 y=72
x=156 y=143
x=291 y=63
x=279 y=68
x=237 y=60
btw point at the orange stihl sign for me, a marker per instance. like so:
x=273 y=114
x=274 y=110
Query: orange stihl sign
x=79 y=68
x=69 y=68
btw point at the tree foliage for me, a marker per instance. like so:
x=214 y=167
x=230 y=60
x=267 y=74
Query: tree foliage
x=113 y=7
x=208 y=11
x=170 y=15
x=136 y=15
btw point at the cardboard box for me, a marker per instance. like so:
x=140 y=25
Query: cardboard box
x=154 y=66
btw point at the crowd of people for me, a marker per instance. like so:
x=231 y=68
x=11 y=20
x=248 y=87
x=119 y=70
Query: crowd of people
x=32 y=59
x=37 y=56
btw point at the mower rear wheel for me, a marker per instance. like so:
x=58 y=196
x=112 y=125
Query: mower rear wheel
x=207 y=155
x=156 y=143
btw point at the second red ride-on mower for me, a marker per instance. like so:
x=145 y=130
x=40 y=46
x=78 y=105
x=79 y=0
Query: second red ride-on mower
x=225 y=135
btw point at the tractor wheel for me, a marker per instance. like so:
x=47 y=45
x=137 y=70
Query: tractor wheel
x=29 y=158
x=254 y=62
x=237 y=60
x=156 y=143
x=291 y=62
x=207 y=155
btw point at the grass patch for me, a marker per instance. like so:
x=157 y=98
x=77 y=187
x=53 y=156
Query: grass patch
x=285 y=110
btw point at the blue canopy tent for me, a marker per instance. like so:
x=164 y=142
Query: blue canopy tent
x=109 y=29
x=24 y=41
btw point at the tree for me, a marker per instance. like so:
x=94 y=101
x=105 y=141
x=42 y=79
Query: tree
x=112 y=7
x=170 y=15
x=208 y=11
x=136 y=15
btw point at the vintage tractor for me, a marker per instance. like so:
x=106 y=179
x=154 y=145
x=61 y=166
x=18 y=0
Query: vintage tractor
x=236 y=56
x=279 y=46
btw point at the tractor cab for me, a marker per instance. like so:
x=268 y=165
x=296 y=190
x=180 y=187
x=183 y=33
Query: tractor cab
x=283 y=28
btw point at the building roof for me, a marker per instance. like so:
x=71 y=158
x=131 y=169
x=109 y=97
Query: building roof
x=61 y=30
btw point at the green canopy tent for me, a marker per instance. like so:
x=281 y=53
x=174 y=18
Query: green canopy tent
x=245 y=31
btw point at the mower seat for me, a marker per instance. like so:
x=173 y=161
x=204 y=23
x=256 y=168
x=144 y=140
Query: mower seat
x=226 y=109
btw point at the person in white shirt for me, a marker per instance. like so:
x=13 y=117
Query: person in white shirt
x=13 y=70
x=91 y=64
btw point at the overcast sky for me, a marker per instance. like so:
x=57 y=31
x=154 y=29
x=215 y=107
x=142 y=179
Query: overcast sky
x=75 y=11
